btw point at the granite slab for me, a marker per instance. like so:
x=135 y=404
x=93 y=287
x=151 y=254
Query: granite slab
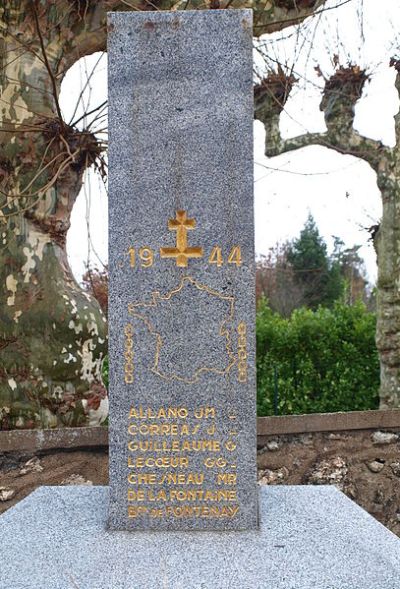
x=309 y=538
x=182 y=271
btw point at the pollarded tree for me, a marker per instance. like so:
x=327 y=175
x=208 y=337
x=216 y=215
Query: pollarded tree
x=341 y=92
x=52 y=334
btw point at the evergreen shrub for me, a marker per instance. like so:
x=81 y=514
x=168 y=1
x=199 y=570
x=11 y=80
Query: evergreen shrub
x=317 y=361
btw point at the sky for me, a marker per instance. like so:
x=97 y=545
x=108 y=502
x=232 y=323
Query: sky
x=339 y=191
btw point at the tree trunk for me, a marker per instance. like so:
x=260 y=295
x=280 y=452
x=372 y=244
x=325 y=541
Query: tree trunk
x=52 y=334
x=387 y=245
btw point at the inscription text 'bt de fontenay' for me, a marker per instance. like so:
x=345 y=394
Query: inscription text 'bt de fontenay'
x=182 y=253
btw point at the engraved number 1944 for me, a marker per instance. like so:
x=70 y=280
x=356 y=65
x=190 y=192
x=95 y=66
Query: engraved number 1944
x=144 y=257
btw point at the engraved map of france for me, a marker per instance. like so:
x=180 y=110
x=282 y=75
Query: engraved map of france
x=169 y=318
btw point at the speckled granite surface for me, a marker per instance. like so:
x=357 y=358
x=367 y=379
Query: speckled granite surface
x=182 y=283
x=309 y=538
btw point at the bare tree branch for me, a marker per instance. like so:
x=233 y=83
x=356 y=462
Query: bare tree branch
x=46 y=61
x=353 y=144
x=341 y=92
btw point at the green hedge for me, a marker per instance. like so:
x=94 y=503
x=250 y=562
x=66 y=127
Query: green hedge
x=317 y=361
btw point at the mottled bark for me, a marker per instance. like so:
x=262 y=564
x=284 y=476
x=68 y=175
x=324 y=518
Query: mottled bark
x=387 y=245
x=52 y=334
x=341 y=93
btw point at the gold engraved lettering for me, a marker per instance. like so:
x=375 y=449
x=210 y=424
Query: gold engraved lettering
x=216 y=256
x=191 y=478
x=207 y=495
x=166 y=429
x=160 y=495
x=205 y=413
x=182 y=253
x=235 y=257
x=162 y=443
x=136 y=511
x=215 y=462
x=154 y=429
x=226 y=478
x=201 y=445
x=138 y=495
x=169 y=478
x=202 y=511
x=132 y=256
x=231 y=446
x=128 y=354
x=162 y=413
x=147 y=478
x=242 y=352
x=161 y=462
x=174 y=446
x=146 y=256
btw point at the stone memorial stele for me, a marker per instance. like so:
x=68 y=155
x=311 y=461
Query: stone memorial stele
x=182 y=278
x=182 y=418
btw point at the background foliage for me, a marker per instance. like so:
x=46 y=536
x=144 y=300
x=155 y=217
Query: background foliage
x=317 y=361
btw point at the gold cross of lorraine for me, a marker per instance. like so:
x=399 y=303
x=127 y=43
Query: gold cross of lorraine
x=181 y=224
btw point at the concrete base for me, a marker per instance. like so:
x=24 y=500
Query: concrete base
x=310 y=538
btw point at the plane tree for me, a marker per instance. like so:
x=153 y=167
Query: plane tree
x=340 y=94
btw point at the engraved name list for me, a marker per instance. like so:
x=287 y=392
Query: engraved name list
x=163 y=474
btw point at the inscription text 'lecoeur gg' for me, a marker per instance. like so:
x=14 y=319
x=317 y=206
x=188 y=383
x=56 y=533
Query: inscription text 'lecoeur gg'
x=182 y=253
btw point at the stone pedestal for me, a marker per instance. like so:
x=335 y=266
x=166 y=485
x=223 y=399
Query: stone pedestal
x=309 y=538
